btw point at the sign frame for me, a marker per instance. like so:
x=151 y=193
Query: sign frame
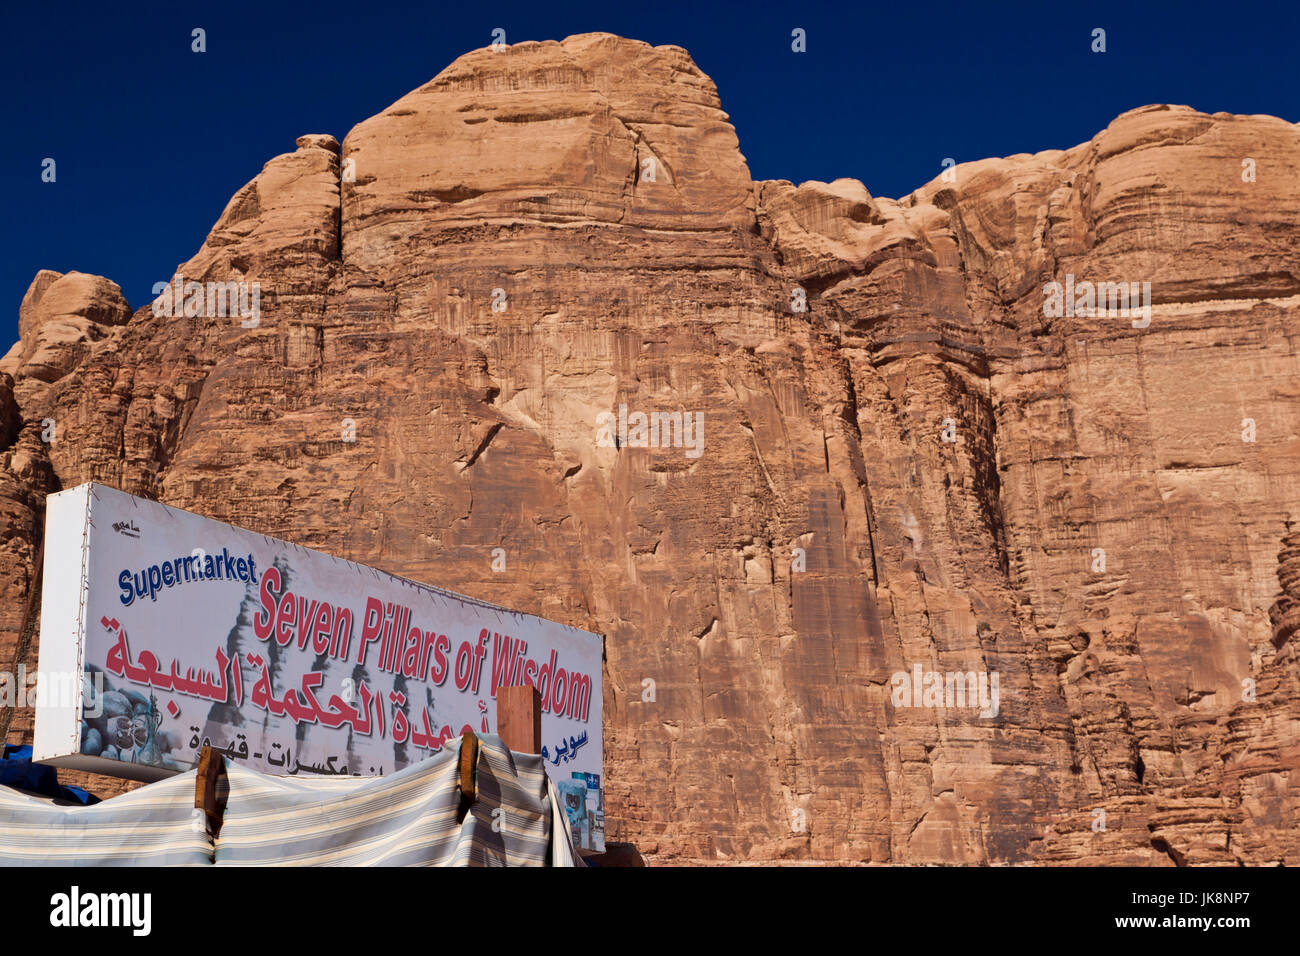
x=86 y=614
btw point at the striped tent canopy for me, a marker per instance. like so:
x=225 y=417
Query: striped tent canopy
x=409 y=818
x=415 y=817
x=155 y=825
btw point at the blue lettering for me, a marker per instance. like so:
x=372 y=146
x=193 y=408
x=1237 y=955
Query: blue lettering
x=148 y=582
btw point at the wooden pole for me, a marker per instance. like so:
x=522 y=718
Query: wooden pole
x=210 y=769
x=519 y=718
x=467 y=778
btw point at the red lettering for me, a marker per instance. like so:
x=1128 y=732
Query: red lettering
x=411 y=659
x=464 y=665
x=320 y=628
x=342 y=638
x=426 y=648
x=306 y=616
x=579 y=702
x=560 y=682
x=390 y=612
x=546 y=674
x=288 y=616
x=370 y=627
x=440 y=651
x=264 y=621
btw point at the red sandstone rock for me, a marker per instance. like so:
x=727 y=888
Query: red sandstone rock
x=522 y=179
x=59 y=318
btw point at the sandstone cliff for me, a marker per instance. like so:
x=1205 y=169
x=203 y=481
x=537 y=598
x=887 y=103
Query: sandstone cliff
x=921 y=467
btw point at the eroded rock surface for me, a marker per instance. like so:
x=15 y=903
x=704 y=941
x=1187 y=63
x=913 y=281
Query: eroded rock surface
x=540 y=235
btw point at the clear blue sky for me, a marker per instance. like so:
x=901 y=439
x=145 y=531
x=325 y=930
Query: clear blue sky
x=151 y=139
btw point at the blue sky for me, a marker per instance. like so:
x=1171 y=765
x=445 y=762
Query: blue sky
x=151 y=139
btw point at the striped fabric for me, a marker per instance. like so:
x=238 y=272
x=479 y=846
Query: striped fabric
x=408 y=818
x=152 y=826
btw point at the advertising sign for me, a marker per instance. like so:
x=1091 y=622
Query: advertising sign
x=182 y=631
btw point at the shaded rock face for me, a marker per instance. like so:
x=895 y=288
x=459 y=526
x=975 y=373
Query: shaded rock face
x=910 y=460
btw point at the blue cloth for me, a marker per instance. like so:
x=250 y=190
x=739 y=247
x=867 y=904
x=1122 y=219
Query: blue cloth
x=18 y=771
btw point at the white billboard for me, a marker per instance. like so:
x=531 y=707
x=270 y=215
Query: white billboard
x=185 y=631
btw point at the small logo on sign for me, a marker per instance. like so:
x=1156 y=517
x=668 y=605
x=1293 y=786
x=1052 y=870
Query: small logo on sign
x=127 y=528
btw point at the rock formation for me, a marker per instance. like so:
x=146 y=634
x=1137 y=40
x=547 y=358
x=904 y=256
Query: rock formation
x=911 y=460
